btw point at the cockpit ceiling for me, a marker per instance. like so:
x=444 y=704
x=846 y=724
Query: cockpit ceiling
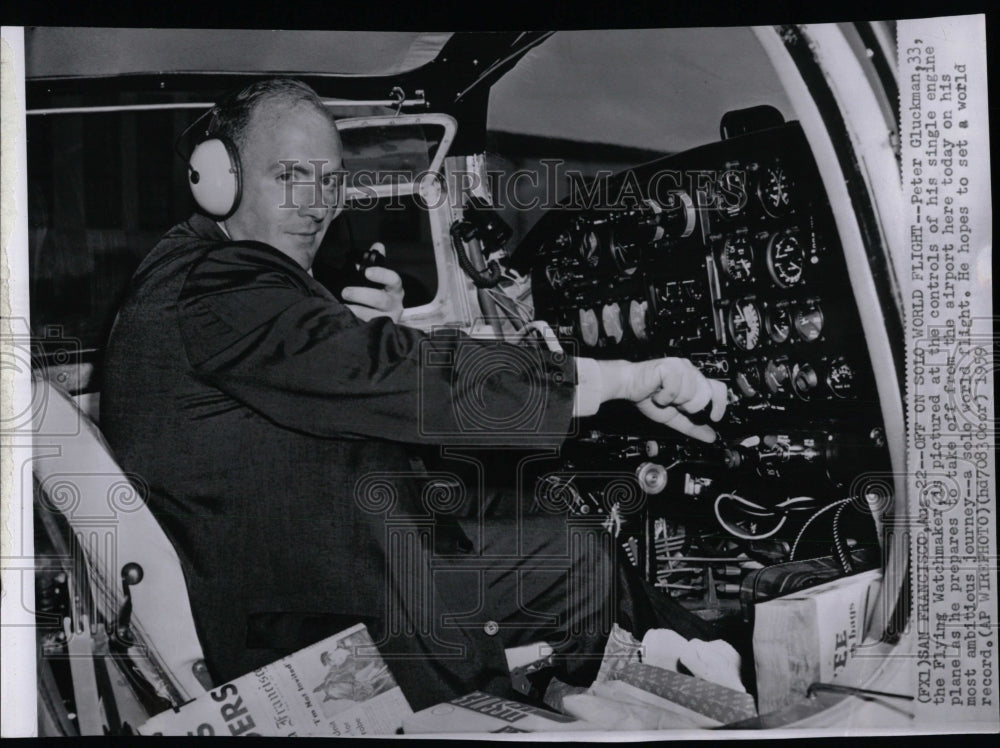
x=658 y=89
x=52 y=52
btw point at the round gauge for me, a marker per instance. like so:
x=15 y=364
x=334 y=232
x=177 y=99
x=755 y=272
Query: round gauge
x=804 y=380
x=809 y=322
x=737 y=259
x=840 y=378
x=611 y=316
x=589 y=244
x=731 y=193
x=588 y=326
x=677 y=215
x=744 y=324
x=785 y=259
x=775 y=190
x=778 y=323
x=776 y=376
x=637 y=318
x=626 y=255
x=748 y=379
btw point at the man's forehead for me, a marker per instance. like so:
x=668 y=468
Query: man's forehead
x=299 y=133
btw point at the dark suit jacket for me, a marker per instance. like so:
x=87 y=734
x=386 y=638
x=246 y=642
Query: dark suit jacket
x=268 y=424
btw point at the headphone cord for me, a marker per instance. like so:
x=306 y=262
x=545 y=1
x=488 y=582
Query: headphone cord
x=840 y=547
x=488 y=278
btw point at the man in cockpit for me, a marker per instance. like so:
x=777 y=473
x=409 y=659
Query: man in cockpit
x=265 y=416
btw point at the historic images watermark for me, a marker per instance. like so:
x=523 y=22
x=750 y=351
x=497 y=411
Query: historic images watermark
x=312 y=185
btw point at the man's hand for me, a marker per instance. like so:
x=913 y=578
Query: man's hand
x=665 y=390
x=368 y=303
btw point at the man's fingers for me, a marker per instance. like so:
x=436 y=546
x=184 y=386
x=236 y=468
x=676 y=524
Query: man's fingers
x=720 y=399
x=373 y=297
x=681 y=384
x=670 y=416
x=670 y=385
x=384 y=277
x=698 y=393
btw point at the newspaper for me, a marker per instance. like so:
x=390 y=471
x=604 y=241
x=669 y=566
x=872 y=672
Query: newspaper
x=915 y=130
x=337 y=687
x=479 y=712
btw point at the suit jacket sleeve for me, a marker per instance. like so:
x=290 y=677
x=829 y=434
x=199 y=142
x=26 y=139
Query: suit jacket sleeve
x=259 y=329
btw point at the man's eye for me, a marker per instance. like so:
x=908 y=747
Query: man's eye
x=330 y=181
x=285 y=176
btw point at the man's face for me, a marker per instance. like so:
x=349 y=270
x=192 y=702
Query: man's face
x=291 y=180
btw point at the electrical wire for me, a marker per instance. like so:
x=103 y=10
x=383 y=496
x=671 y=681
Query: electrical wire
x=503 y=301
x=524 y=311
x=739 y=533
x=761 y=511
x=798 y=538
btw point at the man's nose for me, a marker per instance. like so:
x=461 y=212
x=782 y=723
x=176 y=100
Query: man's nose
x=311 y=202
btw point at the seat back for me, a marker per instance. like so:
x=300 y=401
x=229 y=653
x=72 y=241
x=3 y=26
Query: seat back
x=112 y=527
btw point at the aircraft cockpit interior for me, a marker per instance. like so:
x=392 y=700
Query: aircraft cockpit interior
x=606 y=195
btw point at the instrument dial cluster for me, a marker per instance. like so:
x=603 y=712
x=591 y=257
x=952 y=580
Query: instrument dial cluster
x=783 y=379
x=780 y=260
x=741 y=273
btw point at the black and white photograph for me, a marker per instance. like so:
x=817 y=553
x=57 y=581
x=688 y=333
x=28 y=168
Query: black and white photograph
x=631 y=383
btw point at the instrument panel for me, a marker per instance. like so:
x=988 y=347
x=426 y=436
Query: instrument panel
x=726 y=255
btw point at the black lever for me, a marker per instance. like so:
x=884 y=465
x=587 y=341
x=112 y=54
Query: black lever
x=131 y=574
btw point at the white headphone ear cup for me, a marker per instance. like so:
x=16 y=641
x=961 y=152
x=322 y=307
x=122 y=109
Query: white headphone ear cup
x=214 y=176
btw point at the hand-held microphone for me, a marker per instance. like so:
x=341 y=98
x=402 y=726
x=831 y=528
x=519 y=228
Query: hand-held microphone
x=374 y=256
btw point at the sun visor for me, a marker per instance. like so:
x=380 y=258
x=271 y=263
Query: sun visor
x=52 y=52
x=384 y=156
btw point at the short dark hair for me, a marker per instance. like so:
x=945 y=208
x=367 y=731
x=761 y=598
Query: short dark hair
x=233 y=114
